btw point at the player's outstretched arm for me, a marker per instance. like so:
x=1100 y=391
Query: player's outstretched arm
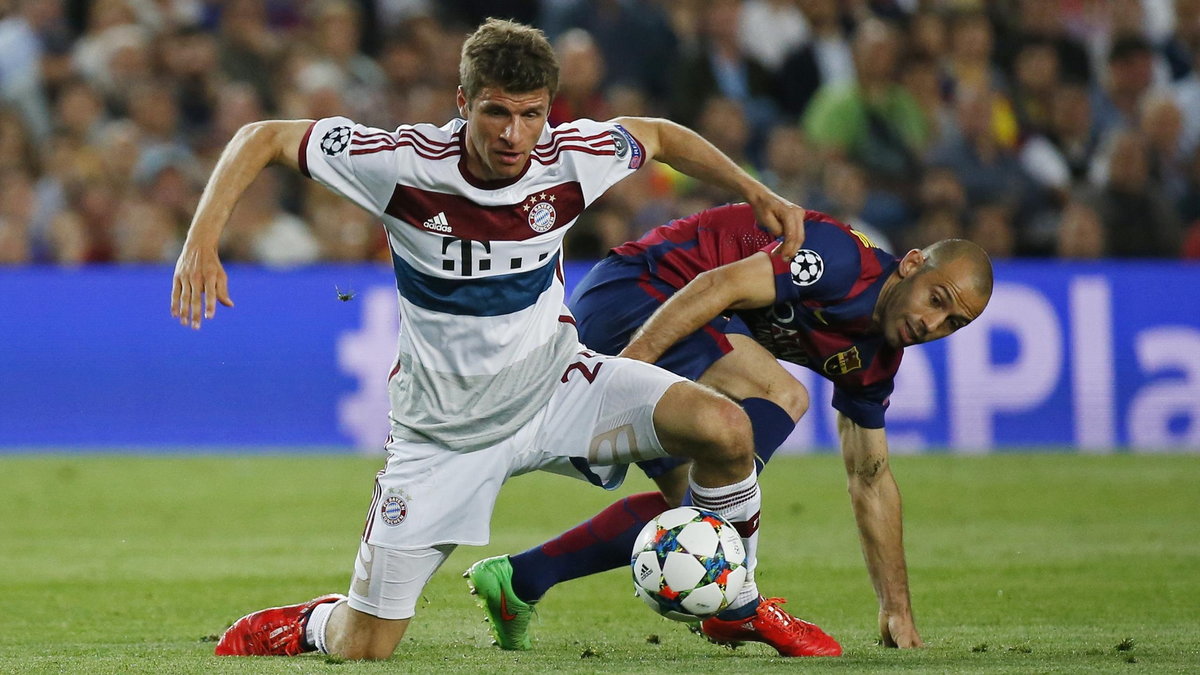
x=876 y=500
x=199 y=276
x=690 y=153
x=747 y=283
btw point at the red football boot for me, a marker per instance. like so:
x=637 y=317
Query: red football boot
x=770 y=624
x=276 y=631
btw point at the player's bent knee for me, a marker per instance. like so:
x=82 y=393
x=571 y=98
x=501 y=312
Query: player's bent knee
x=793 y=398
x=697 y=422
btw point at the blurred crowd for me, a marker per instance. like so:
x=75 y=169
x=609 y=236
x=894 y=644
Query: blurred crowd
x=1046 y=128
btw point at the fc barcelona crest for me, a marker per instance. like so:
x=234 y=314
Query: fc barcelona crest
x=843 y=362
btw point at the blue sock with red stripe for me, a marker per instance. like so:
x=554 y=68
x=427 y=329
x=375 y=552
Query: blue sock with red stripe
x=602 y=543
x=605 y=541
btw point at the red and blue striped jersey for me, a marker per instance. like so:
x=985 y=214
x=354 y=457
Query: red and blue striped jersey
x=825 y=297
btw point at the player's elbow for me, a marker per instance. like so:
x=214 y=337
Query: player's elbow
x=278 y=141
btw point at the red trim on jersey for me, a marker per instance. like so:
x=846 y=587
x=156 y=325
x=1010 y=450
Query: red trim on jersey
x=564 y=134
x=381 y=140
x=420 y=151
x=468 y=220
x=564 y=318
x=550 y=159
x=302 y=157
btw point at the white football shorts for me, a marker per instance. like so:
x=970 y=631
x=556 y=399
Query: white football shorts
x=599 y=419
x=429 y=498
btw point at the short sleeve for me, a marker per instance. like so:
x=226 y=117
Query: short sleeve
x=865 y=407
x=601 y=153
x=825 y=269
x=355 y=161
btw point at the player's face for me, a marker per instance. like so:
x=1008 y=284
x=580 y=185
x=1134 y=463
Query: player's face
x=929 y=303
x=502 y=129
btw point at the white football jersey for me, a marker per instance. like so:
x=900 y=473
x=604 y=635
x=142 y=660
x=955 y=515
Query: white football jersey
x=484 y=333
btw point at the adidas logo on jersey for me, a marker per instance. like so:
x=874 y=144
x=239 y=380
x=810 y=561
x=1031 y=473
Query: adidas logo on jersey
x=437 y=223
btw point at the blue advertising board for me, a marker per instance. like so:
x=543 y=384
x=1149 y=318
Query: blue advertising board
x=1092 y=357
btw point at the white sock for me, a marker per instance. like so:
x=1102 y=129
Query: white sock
x=740 y=504
x=318 y=619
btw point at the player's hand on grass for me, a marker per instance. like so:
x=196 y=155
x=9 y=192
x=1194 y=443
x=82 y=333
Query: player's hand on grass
x=781 y=218
x=199 y=278
x=898 y=631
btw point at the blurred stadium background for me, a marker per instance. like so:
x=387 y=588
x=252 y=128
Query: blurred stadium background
x=1062 y=135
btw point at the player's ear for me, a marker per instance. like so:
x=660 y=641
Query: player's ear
x=461 y=100
x=911 y=262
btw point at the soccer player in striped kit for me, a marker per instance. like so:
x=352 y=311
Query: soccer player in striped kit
x=708 y=297
x=490 y=380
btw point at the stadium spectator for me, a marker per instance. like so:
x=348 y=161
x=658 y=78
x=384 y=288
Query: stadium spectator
x=1138 y=221
x=717 y=65
x=846 y=197
x=1161 y=122
x=1045 y=21
x=636 y=38
x=458 y=431
x=770 y=29
x=579 y=92
x=874 y=121
x=248 y=49
x=1080 y=234
x=991 y=227
x=1059 y=159
x=824 y=58
x=24 y=34
x=1118 y=94
x=987 y=168
x=789 y=168
x=1036 y=82
x=88 y=65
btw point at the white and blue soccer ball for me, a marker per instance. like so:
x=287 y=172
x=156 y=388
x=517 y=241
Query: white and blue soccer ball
x=688 y=564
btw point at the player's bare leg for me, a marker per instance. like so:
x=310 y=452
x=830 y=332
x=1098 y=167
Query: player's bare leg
x=750 y=371
x=353 y=634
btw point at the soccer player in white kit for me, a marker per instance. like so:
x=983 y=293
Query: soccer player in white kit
x=490 y=380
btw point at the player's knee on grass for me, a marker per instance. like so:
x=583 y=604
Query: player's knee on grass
x=358 y=636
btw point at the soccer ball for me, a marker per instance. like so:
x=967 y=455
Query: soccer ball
x=688 y=564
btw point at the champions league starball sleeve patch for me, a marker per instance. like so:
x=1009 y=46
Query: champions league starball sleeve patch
x=335 y=141
x=807 y=267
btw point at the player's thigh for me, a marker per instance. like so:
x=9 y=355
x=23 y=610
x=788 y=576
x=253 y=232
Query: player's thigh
x=388 y=582
x=603 y=412
x=750 y=371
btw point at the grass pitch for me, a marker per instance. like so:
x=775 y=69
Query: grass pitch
x=1018 y=563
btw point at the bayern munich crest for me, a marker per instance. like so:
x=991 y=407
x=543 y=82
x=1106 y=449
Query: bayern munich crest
x=394 y=510
x=807 y=267
x=335 y=140
x=540 y=213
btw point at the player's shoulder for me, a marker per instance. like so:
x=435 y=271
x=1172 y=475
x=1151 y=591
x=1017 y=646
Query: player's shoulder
x=338 y=134
x=588 y=139
x=832 y=257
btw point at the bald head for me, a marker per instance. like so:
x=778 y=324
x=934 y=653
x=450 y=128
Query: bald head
x=963 y=259
x=934 y=292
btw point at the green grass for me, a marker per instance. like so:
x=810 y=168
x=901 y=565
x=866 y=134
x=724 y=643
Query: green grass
x=1018 y=563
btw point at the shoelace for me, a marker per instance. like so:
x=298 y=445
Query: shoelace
x=787 y=621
